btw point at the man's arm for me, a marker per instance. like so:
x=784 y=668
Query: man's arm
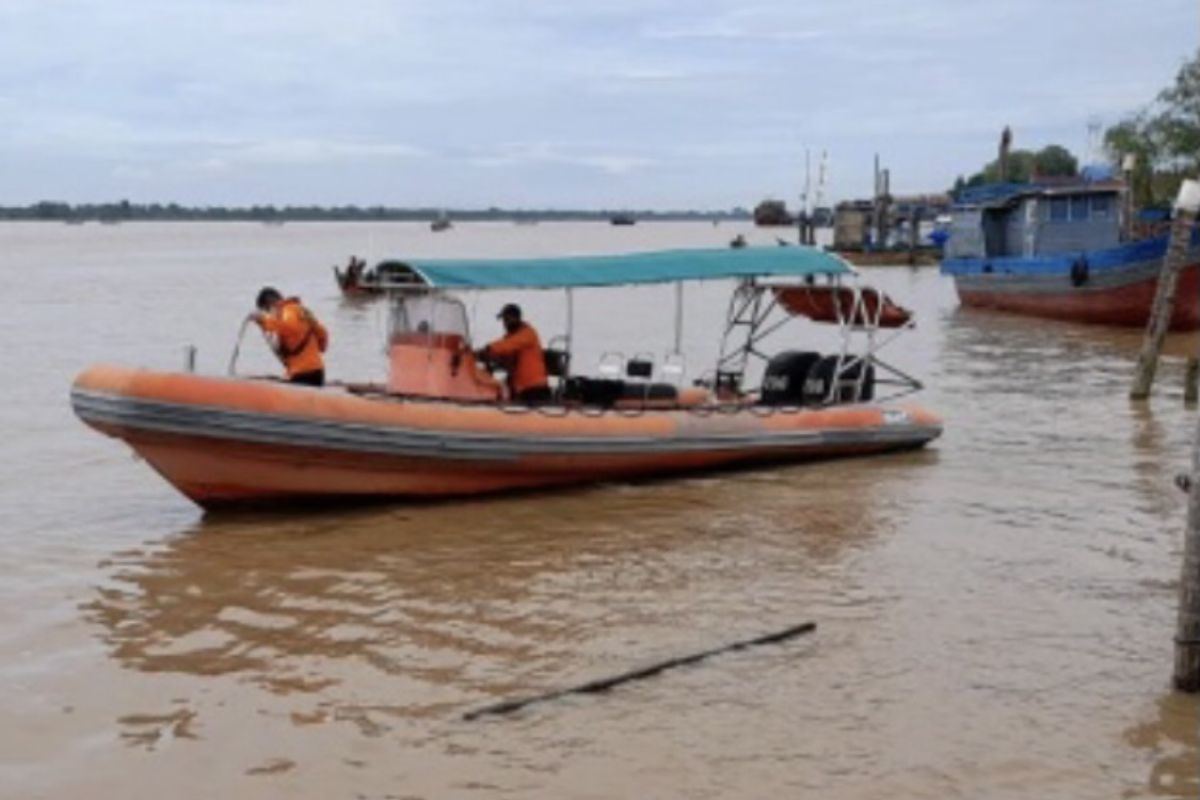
x=511 y=344
x=287 y=326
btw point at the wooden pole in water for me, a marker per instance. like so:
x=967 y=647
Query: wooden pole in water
x=1187 y=629
x=1186 y=206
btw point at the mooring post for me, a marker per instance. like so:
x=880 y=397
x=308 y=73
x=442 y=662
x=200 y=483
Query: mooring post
x=1187 y=629
x=1186 y=206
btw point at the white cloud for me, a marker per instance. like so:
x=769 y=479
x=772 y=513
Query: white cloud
x=524 y=153
x=668 y=101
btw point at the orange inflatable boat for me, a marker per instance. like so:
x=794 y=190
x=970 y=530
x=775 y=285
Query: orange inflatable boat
x=442 y=426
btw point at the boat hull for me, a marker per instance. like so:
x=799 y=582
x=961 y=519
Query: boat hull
x=227 y=442
x=1119 y=288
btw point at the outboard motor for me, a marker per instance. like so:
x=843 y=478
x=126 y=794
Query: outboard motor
x=784 y=380
x=823 y=374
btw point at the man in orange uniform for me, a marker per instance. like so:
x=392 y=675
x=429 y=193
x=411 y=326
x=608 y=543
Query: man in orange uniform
x=300 y=336
x=520 y=352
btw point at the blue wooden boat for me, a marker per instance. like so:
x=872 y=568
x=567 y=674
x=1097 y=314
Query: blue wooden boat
x=1063 y=252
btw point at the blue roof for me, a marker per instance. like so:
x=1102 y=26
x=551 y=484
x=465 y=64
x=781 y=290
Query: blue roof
x=663 y=266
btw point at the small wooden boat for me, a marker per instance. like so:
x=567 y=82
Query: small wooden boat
x=443 y=426
x=357 y=281
x=1060 y=252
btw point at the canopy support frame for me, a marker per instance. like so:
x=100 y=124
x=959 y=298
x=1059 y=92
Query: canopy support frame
x=748 y=312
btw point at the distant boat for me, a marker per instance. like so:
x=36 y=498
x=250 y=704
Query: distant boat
x=1057 y=251
x=772 y=213
x=442 y=223
x=622 y=219
x=357 y=281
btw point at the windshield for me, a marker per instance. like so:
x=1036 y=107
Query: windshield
x=428 y=314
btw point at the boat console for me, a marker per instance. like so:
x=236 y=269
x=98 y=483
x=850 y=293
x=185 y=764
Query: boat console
x=429 y=353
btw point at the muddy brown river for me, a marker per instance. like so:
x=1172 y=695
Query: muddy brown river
x=995 y=613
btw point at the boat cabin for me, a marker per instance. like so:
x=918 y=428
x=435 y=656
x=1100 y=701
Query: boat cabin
x=1027 y=221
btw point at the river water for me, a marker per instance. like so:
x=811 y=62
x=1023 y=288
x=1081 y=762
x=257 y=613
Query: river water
x=995 y=613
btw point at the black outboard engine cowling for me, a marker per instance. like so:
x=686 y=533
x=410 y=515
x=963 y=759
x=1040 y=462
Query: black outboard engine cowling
x=857 y=378
x=783 y=381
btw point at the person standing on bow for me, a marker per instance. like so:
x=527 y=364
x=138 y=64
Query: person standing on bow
x=300 y=338
x=519 y=351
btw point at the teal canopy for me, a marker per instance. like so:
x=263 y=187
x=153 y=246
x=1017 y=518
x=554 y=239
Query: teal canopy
x=664 y=266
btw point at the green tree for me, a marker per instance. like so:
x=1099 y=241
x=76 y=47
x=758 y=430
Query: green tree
x=1163 y=139
x=1054 y=160
x=1025 y=165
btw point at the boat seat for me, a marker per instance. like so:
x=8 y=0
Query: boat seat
x=556 y=356
x=674 y=366
x=611 y=366
x=602 y=392
x=649 y=391
x=605 y=392
x=558 y=362
x=639 y=367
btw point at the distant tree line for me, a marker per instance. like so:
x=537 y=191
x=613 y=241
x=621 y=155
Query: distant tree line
x=1163 y=138
x=124 y=210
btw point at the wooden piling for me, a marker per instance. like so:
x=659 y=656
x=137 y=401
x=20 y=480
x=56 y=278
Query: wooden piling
x=1186 y=206
x=914 y=235
x=1187 y=629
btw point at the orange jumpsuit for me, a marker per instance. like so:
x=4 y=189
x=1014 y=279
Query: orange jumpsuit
x=302 y=338
x=521 y=354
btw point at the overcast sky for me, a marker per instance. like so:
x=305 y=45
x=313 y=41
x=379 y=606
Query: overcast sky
x=557 y=103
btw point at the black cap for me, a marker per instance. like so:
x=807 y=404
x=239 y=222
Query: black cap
x=510 y=310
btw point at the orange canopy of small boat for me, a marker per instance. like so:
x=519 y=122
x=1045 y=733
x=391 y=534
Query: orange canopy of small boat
x=842 y=304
